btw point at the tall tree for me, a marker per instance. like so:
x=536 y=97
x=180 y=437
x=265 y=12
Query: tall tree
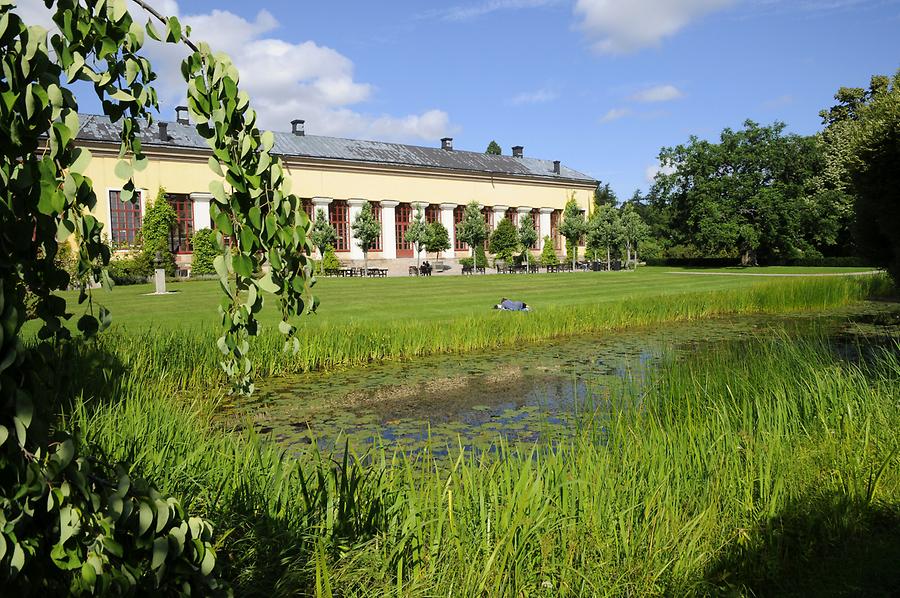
x=366 y=230
x=323 y=234
x=572 y=227
x=744 y=194
x=527 y=236
x=438 y=239
x=472 y=230
x=863 y=133
x=417 y=234
x=604 y=230
x=493 y=149
x=633 y=230
x=604 y=195
x=504 y=240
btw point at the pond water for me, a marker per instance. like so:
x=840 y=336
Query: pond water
x=521 y=395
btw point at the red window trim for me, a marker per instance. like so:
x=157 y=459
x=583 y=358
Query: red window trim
x=536 y=220
x=403 y=214
x=124 y=217
x=458 y=213
x=376 y=212
x=180 y=236
x=339 y=217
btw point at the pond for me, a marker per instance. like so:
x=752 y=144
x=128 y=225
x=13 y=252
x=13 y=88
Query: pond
x=521 y=395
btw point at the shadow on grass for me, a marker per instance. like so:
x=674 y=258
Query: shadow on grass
x=830 y=546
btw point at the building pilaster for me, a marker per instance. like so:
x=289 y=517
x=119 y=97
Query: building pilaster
x=389 y=229
x=356 y=204
x=447 y=221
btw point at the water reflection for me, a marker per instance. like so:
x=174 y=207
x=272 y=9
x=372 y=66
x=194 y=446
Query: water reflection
x=524 y=395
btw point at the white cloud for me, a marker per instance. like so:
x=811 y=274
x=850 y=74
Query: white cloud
x=285 y=80
x=616 y=26
x=658 y=93
x=473 y=11
x=539 y=96
x=615 y=114
x=656 y=168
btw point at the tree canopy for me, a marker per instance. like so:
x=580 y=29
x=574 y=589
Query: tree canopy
x=862 y=139
x=504 y=240
x=438 y=238
x=493 y=149
x=417 y=233
x=323 y=234
x=746 y=194
x=528 y=235
x=572 y=227
x=472 y=229
x=604 y=195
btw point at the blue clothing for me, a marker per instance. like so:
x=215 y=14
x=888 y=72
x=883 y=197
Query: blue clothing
x=512 y=305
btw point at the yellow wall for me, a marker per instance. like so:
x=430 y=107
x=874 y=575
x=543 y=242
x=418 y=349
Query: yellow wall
x=190 y=174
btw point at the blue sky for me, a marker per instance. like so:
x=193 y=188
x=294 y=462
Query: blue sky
x=598 y=84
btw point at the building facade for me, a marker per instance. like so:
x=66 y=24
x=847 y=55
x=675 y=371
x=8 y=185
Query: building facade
x=339 y=176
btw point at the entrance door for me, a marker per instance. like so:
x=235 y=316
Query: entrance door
x=403 y=216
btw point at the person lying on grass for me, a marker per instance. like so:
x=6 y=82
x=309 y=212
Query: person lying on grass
x=507 y=305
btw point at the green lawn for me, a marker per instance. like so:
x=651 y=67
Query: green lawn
x=435 y=298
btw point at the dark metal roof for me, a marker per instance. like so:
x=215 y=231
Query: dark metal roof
x=99 y=128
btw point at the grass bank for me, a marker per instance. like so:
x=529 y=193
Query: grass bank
x=190 y=357
x=751 y=469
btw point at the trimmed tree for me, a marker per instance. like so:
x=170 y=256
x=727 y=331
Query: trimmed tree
x=633 y=229
x=366 y=230
x=472 y=230
x=205 y=251
x=548 y=253
x=527 y=236
x=438 y=238
x=572 y=227
x=417 y=234
x=323 y=234
x=504 y=240
x=604 y=230
x=493 y=149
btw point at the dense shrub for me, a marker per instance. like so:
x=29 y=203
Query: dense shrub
x=155 y=231
x=205 y=251
x=548 y=254
x=694 y=262
x=130 y=270
x=330 y=261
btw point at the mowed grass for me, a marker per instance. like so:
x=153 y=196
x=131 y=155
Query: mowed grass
x=436 y=298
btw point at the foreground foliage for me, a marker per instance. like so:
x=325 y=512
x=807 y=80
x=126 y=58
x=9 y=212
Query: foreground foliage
x=733 y=471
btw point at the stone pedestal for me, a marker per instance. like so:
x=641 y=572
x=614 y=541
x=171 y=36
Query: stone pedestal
x=159 y=279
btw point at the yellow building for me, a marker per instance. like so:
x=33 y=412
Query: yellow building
x=339 y=175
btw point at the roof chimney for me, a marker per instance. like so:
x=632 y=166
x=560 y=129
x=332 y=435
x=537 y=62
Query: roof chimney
x=181 y=115
x=447 y=143
x=517 y=151
x=298 y=127
x=163 y=131
x=556 y=167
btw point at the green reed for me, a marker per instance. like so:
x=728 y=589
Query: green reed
x=189 y=359
x=718 y=475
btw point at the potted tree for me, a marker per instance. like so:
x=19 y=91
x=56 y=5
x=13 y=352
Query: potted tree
x=366 y=230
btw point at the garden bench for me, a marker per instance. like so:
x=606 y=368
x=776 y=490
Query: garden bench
x=552 y=268
x=332 y=271
x=468 y=270
x=413 y=271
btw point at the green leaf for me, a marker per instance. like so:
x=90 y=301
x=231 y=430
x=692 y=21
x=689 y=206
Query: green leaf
x=285 y=327
x=4 y=434
x=81 y=161
x=145 y=518
x=216 y=168
x=88 y=325
x=243 y=266
x=209 y=561
x=221 y=267
x=267 y=284
x=218 y=191
x=17 y=562
x=89 y=575
x=123 y=170
x=160 y=550
x=65 y=451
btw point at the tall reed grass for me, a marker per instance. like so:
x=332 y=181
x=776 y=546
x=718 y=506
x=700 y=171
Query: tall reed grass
x=189 y=359
x=714 y=476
